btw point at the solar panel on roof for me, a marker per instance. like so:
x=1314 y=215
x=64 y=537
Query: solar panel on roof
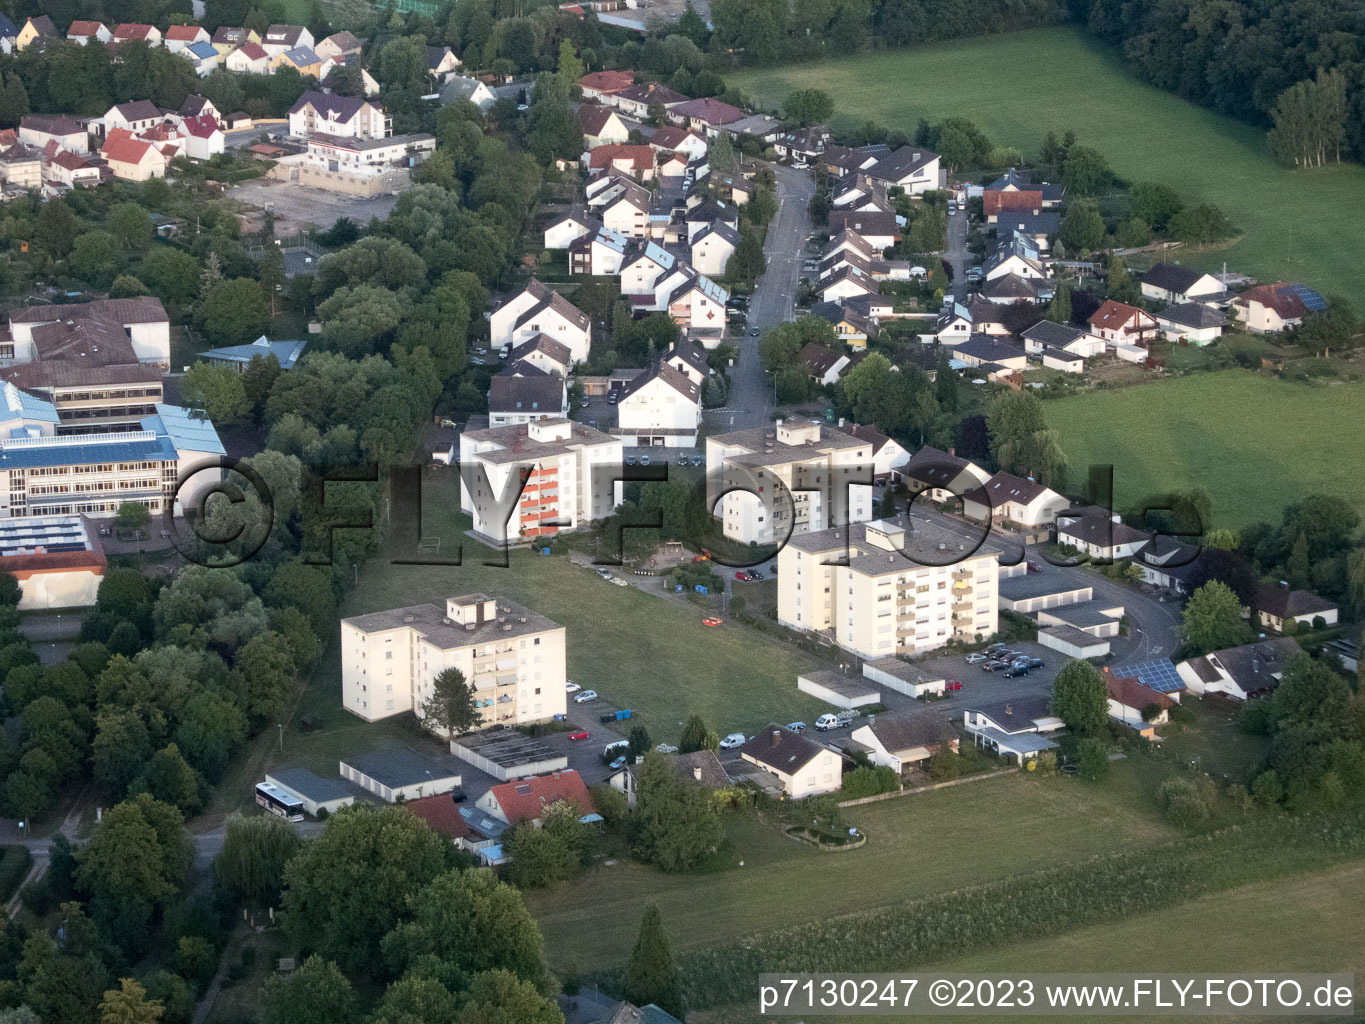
x=1157 y=674
x=1312 y=301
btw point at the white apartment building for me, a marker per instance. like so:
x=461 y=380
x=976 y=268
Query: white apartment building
x=567 y=468
x=511 y=656
x=536 y=310
x=660 y=408
x=349 y=117
x=795 y=477
x=142 y=319
x=903 y=591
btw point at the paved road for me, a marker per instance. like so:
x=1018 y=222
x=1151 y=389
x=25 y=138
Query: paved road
x=773 y=302
x=957 y=254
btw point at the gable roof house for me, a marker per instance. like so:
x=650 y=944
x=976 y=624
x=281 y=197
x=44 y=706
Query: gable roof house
x=1099 y=535
x=1192 y=323
x=689 y=360
x=136 y=117
x=600 y=254
x=526 y=799
x=901 y=741
x=461 y=88
x=339 y=44
x=9 y=34
x=1171 y=282
x=36 y=31
x=712 y=246
x=823 y=365
x=227 y=38
x=911 y=168
x=1046 y=335
x=637 y=161
x=1020 y=502
x=68 y=168
x=1011 y=288
x=673 y=139
x=1135 y=704
x=1117 y=322
x=1241 y=673
x=995 y=201
x=601 y=125
x=706 y=115
x=1269 y=308
x=944 y=475
x=347 y=117
x=544 y=353
x=178 y=37
x=803 y=767
x=538 y=309
x=302 y=59
x=635 y=100
x=562 y=232
x=1278 y=604
x=132 y=159
x=82 y=32
x=851 y=326
x=132 y=32
x=441 y=62
x=280 y=38
x=659 y=408
x=523 y=394
x=990 y=353
x=1013 y=728
x=600 y=85
x=203 y=137
x=879 y=230
x=699 y=768
x=249 y=58
x=21 y=166
x=889 y=459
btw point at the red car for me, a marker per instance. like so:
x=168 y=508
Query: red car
x=953 y=684
x=710 y=620
x=582 y=734
x=741 y=575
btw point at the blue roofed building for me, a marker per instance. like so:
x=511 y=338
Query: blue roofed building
x=238 y=357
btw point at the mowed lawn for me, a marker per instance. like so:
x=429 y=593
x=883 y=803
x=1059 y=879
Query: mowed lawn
x=1254 y=443
x=917 y=846
x=1297 y=225
x=1305 y=924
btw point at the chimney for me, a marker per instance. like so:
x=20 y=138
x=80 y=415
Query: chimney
x=696 y=773
x=952 y=451
x=777 y=736
x=1284 y=584
x=1009 y=709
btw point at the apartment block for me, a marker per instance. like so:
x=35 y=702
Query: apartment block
x=794 y=478
x=511 y=656
x=908 y=587
x=567 y=470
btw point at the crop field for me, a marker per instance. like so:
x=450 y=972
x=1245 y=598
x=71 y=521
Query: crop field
x=917 y=846
x=1254 y=443
x=1295 y=224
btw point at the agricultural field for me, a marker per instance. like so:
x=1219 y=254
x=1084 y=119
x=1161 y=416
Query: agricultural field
x=1209 y=430
x=1291 y=220
x=917 y=846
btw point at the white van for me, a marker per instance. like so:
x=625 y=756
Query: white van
x=619 y=747
x=825 y=722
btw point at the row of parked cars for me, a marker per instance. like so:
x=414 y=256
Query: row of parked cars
x=999 y=658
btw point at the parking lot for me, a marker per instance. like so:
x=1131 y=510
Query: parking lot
x=295 y=206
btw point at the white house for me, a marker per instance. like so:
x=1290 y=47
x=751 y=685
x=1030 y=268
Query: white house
x=1022 y=503
x=1048 y=335
x=822 y=364
x=134 y=117
x=659 y=408
x=561 y=233
x=672 y=139
x=347 y=117
x=802 y=766
x=538 y=309
x=203 y=137
x=1170 y=282
x=1240 y=672
x=601 y=253
x=912 y=168
x=712 y=247
x=178 y=37
x=1277 y=605
x=943 y=475
x=462 y=88
x=1270 y=308
x=889 y=459
x=644 y=265
x=280 y=39
x=1099 y=534
x=902 y=741
x=523 y=393
x=601 y=126
x=248 y=59
x=1119 y=322
x=1192 y=323
x=1013 y=728
x=83 y=32
x=689 y=360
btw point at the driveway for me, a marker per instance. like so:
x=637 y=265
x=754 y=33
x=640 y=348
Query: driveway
x=956 y=254
x=773 y=302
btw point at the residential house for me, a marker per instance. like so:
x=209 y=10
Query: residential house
x=302 y=59
x=533 y=480
x=990 y=354
x=338 y=66
x=696 y=303
x=942 y=476
x=712 y=247
x=1011 y=259
x=544 y=353
x=705 y=116
x=1192 y=323
x=1035 y=226
x=512 y=658
x=143 y=321
x=602 y=85
x=1117 y=322
x=525 y=800
x=601 y=253
x=626 y=210
x=281 y=38
x=601 y=126
x=637 y=161
x=702 y=215
x=1168 y=564
x=1012 y=288
x=659 y=408
x=803 y=146
x=846 y=282
x=203 y=138
x=1025 y=504
x=1279 y=604
x=239 y=357
x=9 y=35
x=1077 y=341
x=339 y=44
x=1170 y=282
x=1013 y=728
x=134 y=117
x=523 y=393
x=904 y=586
x=1252 y=670
x=889 y=459
x=803 y=767
x=132 y=159
x=37 y=31
x=64 y=167
x=538 y=309
x=700 y=768
x=1270 y=308
x=442 y=63
x=178 y=37
x=461 y=89
x=348 y=117
x=853 y=328
x=21 y=166
x=1099 y=534
x=82 y=32
x=879 y=230
x=131 y=32
x=796 y=476
x=913 y=169
x=1136 y=705
x=823 y=365
x=645 y=263
x=250 y=58
x=635 y=100
x=561 y=233
x=672 y=139
x=902 y=741
x=1009 y=201
x=205 y=57
x=689 y=360
x=227 y=38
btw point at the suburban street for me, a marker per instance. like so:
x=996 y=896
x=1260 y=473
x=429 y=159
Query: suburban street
x=956 y=254
x=773 y=302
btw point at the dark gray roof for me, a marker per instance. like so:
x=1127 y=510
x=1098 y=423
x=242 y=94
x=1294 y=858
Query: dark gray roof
x=1171 y=277
x=1005 y=487
x=1098 y=530
x=867 y=222
x=903 y=731
x=1284 y=603
x=396 y=767
x=1028 y=586
x=1252 y=666
x=934 y=468
x=538 y=394
x=1017 y=715
x=781 y=749
x=902 y=162
x=988 y=348
x=1193 y=314
x=1011 y=286
x=818 y=359
x=311 y=786
x=339 y=108
x=670 y=375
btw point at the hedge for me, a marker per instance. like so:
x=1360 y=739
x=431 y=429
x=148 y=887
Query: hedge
x=1103 y=888
x=15 y=862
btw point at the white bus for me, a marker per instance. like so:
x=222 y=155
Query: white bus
x=277 y=801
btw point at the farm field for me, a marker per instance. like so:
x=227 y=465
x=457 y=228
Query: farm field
x=1254 y=443
x=917 y=846
x=1018 y=87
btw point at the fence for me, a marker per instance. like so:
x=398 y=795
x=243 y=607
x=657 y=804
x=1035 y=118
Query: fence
x=994 y=773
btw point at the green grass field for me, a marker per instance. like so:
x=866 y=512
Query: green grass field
x=917 y=846
x=1297 y=225
x=1254 y=443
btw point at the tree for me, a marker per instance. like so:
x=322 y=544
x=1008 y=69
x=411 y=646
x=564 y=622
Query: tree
x=1156 y=204
x=57 y=229
x=1085 y=171
x=552 y=852
x=1201 y=225
x=172 y=275
x=1092 y=759
x=1059 y=309
x=265 y=664
x=314 y=991
x=1323 y=329
x=467 y=922
x=131 y=225
x=126 y=286
x=270 y=272
x=218 y=390
x=128 y=1004
x=120 y=748
x=327 y=911
x=886 y=509
x=170 y=779
x=1079 y=698
x=1122 y=286
x=500 y=997
x=651 y=974
x=808 y=106
x=413 y=999
x=570 y=66
x=1310 y=120
x=453 y=705
x=1020 y=440
x=678 y=825
x=720 y=155
x=235 y=312
x=95 y=257
x=1082 y=227
x=67 y=983
x=695 y=735
x=1213 y=620
x=132 y=515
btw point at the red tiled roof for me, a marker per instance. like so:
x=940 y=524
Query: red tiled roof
x=183 y=33
x=441 y=813
x=84 y=28
x=1277 y=297
x=125 y=150
x=709 y=110
x=130 y=30
x=201 y=127
x=1114 y=316
x=526 y=799
x=641 y=157
x=252 y=51
x=993 y=201
x=608 y=81
x=593 y=117
x=23 y=566
x=1131 y=693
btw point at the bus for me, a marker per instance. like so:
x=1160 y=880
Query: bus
x=277 y=801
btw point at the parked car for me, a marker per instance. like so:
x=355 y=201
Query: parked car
x=618 y=764
x=740 y=574
x=585 y=696
x=753 y=332
x=611 y=398
x=572 y=687
x=582 y=734
x=585 y=403
x=458 y=796
x=630 y=460
x=993 y=665
x=1035 y=663
x=604 y=573
x=475 y=361
x=1034 y=566
x=755 y=574
x=711 y=620
x=1017 y=670
x=697 y=460
x=797 y=727
x=735 y=739
x=644 y=460
x=975 y=659
x=826 y=722
x=997 y=646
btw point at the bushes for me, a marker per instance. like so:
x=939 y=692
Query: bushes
x=15 y=862
x=1187 y=800
x=869 y=781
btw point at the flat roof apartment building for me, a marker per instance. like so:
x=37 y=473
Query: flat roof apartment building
x=568 y=469
x=798 y=474
x=511 y=656
x=907 y=588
